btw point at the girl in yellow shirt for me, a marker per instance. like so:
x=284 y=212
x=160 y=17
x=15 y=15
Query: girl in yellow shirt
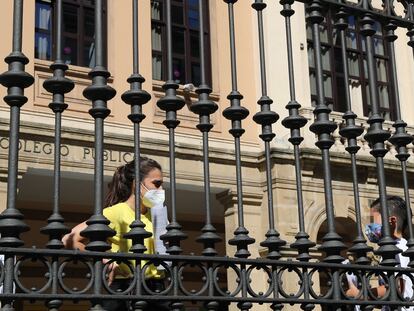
x=120 y=202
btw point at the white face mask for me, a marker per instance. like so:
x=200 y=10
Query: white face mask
x=153 y=197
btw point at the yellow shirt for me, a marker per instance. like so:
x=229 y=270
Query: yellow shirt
x=121 y=216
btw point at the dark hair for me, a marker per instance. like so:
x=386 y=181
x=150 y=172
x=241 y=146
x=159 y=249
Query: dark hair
x=120 y=187
x=396 y=207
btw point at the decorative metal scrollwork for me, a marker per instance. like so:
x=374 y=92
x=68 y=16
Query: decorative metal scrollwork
x=345 y=285
x=89 y=275
x=47 y=275
x=328 y=283
x=167 y=273
x=299 y=274
x=227 y=267
x=268 y=273
x=205 y=279
x=385 y=280
x=402 y=278
x=105 y=278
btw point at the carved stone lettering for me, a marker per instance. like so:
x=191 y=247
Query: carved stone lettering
x=71 y=152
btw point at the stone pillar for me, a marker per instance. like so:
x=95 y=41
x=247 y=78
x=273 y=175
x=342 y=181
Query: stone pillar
x=252 y=206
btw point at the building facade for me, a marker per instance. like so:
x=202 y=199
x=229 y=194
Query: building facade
x=36 y=156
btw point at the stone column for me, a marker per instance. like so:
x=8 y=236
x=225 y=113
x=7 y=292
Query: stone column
x=252 y=205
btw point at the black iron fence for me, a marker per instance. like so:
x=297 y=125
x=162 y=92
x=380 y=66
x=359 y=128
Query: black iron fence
x=303 y=268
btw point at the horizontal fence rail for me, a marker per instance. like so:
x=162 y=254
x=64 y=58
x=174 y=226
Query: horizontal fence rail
x=305 y=270
x=285 y=269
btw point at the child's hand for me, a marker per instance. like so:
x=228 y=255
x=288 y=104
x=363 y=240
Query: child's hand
x=353 y=291
x=113 y=270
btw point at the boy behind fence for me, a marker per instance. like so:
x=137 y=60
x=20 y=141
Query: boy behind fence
x=397 y=220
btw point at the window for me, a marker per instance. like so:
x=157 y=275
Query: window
x=77 y=31
x=43 y=26
x=332 y=63
x=185 y=20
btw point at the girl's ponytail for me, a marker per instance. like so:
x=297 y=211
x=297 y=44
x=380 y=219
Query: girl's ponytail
x=120 y=187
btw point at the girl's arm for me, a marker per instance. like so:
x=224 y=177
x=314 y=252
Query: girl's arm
x=74 y=240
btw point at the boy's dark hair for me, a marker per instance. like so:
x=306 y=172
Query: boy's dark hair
x=396 y=207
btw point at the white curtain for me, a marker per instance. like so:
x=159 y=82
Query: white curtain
x=44 y=18
x=42 y=44
x=155 y=10
x=156 y=40
x=156 y=45
x=156 y=68
x=43 y=23
x=353 y=64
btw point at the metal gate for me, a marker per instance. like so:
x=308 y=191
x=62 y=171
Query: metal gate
x=274 y=266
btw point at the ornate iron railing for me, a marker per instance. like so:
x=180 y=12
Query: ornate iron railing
x=56 y=259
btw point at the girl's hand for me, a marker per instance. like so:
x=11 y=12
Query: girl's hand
x=113 y=270
x=74 y=240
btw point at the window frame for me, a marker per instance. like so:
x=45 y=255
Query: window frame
x=187 y=57
x=362 y=79
x=81 y=38
x=48 y=32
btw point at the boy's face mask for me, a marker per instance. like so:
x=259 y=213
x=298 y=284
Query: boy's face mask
x=373 y=232
x=153 y=197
